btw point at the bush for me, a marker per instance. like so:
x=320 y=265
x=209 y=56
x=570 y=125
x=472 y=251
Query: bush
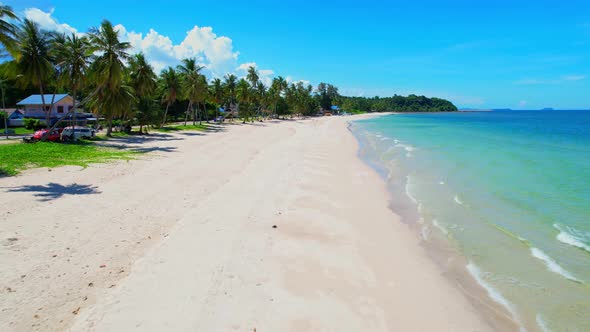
x=34 y=124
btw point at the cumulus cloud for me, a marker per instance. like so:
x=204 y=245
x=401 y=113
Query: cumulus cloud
x=47 y=22
x=214 y=52
x=266 y=75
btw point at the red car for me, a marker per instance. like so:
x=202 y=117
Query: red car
x=54 y=136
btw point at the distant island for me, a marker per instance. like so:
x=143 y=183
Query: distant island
x=411 y=103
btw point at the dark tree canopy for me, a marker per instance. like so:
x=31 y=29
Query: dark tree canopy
x=411 y=103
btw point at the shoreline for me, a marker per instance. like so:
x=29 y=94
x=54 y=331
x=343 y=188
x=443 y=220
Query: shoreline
x=210 y=258
x=457 y=269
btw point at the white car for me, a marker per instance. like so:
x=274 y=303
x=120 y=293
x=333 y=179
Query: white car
x=78 y=132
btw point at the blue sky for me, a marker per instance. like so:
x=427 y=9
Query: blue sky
x=518 y=54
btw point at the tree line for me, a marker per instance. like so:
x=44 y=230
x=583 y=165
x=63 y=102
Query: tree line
x=98 y=69
x=411 y=103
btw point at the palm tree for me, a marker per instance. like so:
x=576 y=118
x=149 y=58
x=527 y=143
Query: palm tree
x=112 y=102
x=229 y=86
x=261 y=97
x=72 y=57
x=277 y=88
x=217 y=94
x=143 y=81
x=108 y=71
x=8 y=31
x=33 y=63
x=202 y=94
x=169 y=88
x=244 y=96
x=252 y=76
x=191 y=83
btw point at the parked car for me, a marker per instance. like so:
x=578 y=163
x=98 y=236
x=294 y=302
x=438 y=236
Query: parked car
x=54 y=136
x=77 y=133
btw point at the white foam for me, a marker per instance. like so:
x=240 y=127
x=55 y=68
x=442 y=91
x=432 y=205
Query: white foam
x=406 y=147
x=568 y=238
x=492 y=292
x=439 y=226
x=541 y=323
x=457 y=200
x=425 y=232
x=552 y=264
x=408 y=190
x=442 y=182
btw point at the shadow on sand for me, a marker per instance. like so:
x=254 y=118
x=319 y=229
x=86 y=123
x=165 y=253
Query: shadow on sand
x=53 y=190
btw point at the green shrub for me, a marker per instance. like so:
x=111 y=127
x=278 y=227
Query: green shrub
x=33 y=124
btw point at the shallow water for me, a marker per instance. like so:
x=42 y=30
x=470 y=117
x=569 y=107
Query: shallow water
x=509 y=189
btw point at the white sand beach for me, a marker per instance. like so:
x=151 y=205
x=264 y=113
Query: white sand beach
x=273 y=226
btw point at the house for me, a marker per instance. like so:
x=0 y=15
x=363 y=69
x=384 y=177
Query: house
x=62 y=103
x=15 y=117
x=33 y=106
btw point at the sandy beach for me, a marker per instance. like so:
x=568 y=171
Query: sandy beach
x=273 y=226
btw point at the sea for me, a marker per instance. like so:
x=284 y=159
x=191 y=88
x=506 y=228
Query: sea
x=508 y=190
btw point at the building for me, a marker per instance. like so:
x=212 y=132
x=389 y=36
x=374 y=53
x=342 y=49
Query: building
x=32 y=107
x=15 y=117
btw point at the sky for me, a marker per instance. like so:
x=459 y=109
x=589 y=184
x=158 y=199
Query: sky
x=520 y=54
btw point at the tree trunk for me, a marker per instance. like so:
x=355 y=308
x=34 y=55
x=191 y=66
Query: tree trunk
x=186 y=113
x=43 y=104
x=165 y=113
x=73 y=110
x=110 y=126
x=74 y=122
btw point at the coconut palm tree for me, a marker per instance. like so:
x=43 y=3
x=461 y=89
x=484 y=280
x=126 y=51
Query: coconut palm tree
x=191 y=83
x=8 y=30
x=252 y=76
x=202 y=95
x=229 y=86
x=244 y=96
x=143 y=80
x=112 y=102
x=72 y=55
x=33 y=61
x=108 y=71
x=276 y=90
x=169 y=88
x=217 y=94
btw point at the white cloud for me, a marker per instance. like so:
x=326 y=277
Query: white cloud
x=214 y=52
x=574 y=77
x=47 y=22
x=265 y=75
x=522 y=103
x=534 y=81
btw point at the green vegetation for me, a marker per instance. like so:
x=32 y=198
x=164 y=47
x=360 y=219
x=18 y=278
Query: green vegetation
x=168 y=129
x=22 y=131
x=33 y=124
x=411 y=103
x=99 y=71
x=17 y=157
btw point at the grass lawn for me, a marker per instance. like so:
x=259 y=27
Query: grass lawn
x=20 y=156
x=168 y=129
x=19 y=131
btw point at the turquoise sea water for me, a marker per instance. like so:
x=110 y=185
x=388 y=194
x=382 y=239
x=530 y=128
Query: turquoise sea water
x=509 y=189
